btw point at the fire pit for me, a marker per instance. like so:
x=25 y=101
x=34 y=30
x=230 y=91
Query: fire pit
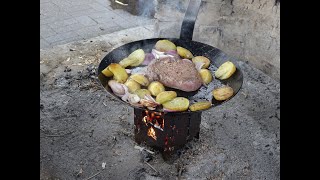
x=169 y=131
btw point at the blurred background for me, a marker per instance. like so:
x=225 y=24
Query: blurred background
x=246 y=29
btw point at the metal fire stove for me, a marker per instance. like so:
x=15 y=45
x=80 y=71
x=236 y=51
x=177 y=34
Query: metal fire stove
x=166 y=132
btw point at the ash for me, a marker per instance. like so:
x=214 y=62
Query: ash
x=204 y=93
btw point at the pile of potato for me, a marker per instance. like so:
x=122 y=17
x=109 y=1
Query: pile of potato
x=140 y=86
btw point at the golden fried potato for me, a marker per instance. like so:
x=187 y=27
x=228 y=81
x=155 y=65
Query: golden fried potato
x=165 y=45
x=205 y=75
x=127 y=62
x=202 y=59
x=184 y=53
x=132 y=85
x=107 y=72
x=198 y=106
x=177 y=104
x=119 y=73
x=139 y=78
x=142 y=92
x=155 y=88
x=137 y=55
x=165 y=96
x=225 y=70
x=222 y=93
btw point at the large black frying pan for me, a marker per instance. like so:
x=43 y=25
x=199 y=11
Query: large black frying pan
x=216 y=56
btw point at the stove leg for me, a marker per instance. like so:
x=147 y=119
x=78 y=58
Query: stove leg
x=197 y=135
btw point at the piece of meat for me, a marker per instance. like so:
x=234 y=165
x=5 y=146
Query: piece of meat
x=175 y=73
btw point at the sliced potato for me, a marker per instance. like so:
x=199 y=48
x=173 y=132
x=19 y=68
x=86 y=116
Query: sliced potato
x=142 y=92
x=198 y=106
x=155 y=88
x=225 y=70
x=177 y=104
x=139 y=78
x=184 y=53
x=132 y=85
x=205 y=75
x=202 y=59
x=137 y=55
x=165 y=96
x=222 y=93
x=107 y=72
x=119 y=73
x=127 y=62
x=165 y=45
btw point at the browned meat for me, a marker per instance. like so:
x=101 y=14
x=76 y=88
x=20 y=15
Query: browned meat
x=175 y=73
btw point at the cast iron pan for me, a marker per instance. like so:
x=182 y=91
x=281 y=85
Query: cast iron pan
x=216 y=56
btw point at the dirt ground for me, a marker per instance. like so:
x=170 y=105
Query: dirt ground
x=81 y=127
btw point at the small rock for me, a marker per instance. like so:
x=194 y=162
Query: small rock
x=61 y=82
x=104 y=165
x=67 y=69
x=79 y=173
x=145 y=156
x=224 y=116
x=188 y=146
x=91 y=70
x=196 y=152
x=255 y=143
x=68 y=76
x=122 y=117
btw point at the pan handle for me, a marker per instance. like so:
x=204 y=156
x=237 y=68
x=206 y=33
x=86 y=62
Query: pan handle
x=189 y=20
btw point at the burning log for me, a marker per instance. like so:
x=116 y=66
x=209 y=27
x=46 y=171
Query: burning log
x=152 y=133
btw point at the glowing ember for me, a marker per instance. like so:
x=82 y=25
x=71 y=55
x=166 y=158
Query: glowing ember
x=152 y=133
x=144 y=119
x=155 y=119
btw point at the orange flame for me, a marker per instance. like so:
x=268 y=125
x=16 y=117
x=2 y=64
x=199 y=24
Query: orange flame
x=144 y=119
x=154 y=118
x=152 y=133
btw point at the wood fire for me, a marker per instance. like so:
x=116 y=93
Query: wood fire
x=152 y=133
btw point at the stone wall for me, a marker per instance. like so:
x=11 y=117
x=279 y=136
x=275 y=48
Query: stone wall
x=246 y=29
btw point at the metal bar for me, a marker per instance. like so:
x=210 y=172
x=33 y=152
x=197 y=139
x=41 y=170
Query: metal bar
x=189 y=20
